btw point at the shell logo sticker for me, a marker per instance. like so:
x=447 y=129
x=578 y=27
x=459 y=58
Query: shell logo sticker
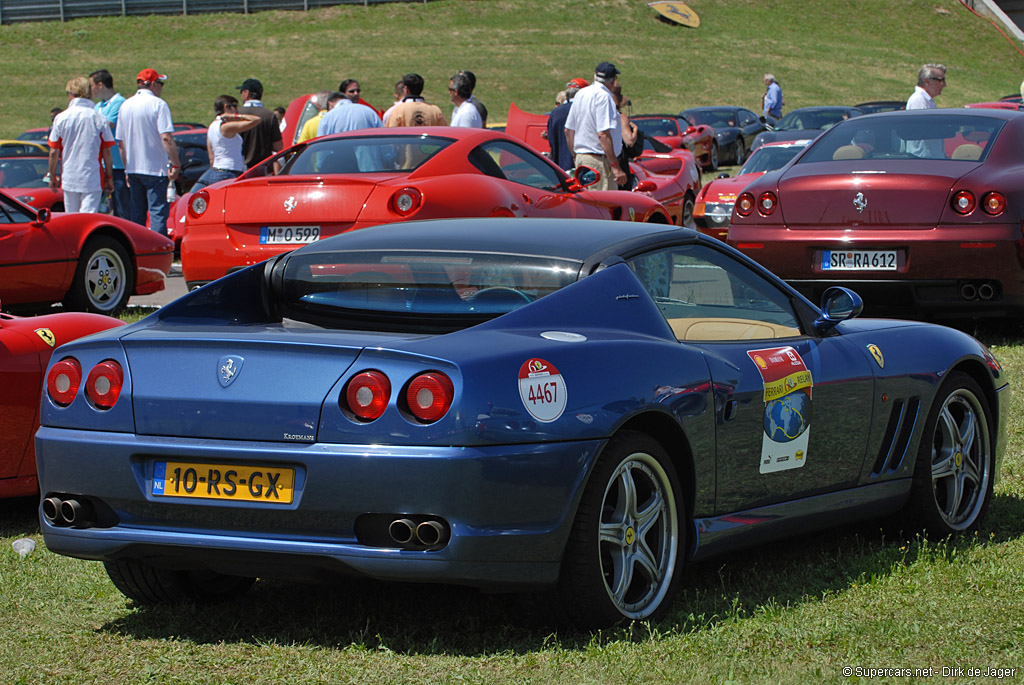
x=759 y=360
x=542 y=390
x=47 y=336
x=877 y=354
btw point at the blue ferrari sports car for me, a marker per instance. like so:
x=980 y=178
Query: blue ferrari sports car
x=569 y=405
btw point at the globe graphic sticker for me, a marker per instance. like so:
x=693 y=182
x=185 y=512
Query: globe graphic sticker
x=786 y=418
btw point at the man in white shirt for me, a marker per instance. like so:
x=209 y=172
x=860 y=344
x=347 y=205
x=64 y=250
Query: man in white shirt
x=931 y=79
x=593 y=130
x=150 y=156
x=79 y=139
x=465 y=115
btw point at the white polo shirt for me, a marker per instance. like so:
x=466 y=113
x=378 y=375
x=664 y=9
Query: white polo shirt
x=593 y=110
x=143 y=118
x=467 y=115
x=80 y=133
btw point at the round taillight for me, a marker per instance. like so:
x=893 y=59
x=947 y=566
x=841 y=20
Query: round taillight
x=745 y=204
x=964 y=202
x=103 y=386
x=429 y=396
x=406 y=201
x=767 y=203
x=198 y=204
x=63 y=381
x=367 y=395
x=993 y=203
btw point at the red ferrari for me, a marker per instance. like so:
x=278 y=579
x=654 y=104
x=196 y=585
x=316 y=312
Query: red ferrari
x=678 y=132
x=363 y=178
x=90 y=262
x=26 y=345
x=716 y=199
x=25 y=178
x=920 y=211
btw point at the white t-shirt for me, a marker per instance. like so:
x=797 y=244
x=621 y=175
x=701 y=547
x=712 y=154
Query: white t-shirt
x=227 y=152
x=467 y=115
x=80 y=133
x=593 y=110
x=143 y=118
x=920 y=99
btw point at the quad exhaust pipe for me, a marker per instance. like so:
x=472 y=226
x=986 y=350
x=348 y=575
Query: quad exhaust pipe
x=70 y=512
x=429 y=531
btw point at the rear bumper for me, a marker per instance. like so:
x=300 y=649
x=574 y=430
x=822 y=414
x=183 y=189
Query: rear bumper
x=509 y=508
x=151 y=272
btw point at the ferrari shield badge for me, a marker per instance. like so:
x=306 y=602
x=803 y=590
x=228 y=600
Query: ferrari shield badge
x=228 y=369
x=787 y=408
x=542 y=390
x=877 y=354
x=47 y=336
x=677 y=12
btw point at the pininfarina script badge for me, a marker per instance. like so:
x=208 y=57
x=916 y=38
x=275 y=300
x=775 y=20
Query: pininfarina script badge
x=860 y=202
x=290 y=204
x=228 y=369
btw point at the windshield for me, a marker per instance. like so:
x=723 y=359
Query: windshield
x=663 y=127
x=24 y=172
x=717 y=118
x=813 y=120
x=769 y=158
x=415 y=290
x=363 y=155
x=906 y=135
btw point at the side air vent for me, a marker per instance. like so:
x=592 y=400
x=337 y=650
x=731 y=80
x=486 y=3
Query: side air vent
x=893 y=450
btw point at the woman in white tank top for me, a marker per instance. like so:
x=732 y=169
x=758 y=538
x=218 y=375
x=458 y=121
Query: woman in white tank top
x=223 y=143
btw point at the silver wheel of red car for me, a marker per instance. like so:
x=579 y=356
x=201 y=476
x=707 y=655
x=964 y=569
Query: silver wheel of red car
x=152 y=585
x=953 y=475
x=713 y=158
x=103 y=279
x=687 y=218
x=623 y=553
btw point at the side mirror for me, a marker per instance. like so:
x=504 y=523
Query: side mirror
x=585 y=176
x=645 y=187
x=42 y=216
x=689 y=130
x=724 y=174
x=837 y=304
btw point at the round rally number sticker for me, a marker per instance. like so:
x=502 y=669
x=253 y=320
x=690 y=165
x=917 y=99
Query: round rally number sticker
x=542 y=390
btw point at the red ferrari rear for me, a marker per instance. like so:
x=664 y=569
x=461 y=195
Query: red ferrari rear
x=917 y=211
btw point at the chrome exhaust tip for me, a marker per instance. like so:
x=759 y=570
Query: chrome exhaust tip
x=401 y=531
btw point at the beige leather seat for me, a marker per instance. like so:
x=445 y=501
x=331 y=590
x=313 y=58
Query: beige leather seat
x=967 y=151
x=848 y=152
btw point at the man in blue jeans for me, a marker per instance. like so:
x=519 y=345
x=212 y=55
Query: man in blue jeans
x=150 y=156
x=109 y=105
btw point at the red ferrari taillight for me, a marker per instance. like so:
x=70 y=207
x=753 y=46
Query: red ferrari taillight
x=103 y=386
x=63 y=381
x=406 y=201
x=198 y=203
x=767 y=203
x=964 y=202
x=429 y=396
x=745 y=204
x=994 y=203
x=367 y=395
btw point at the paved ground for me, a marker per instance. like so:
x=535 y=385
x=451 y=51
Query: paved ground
x=175 y=288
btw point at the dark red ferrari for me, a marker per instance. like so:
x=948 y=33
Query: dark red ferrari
x=353 y=180
x=919 y=211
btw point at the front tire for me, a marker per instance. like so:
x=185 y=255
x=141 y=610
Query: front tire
x=151 y=585
x=954 y=473
x=740 y=151
x=622 y=560
x=104 y=278
x=713 y=157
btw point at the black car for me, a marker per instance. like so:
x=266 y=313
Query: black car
x=194 y=157
x=876 y=106
x=735 y=128
x=806 y=122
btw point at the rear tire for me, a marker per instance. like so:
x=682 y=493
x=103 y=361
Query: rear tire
x=104 y=278
x=713 y=157
x=151 y=585
x=623 y=558
x=740 y=151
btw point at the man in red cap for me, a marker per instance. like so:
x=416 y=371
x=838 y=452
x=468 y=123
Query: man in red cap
x=150 y=156
x=560 y=152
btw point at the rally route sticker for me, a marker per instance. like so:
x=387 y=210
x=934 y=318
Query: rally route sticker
x=542 y=390
x=787 y=408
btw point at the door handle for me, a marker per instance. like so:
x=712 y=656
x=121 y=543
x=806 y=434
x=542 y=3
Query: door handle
x=730 y=409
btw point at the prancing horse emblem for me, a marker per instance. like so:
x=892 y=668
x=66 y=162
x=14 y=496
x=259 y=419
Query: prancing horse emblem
x=228 y=369
x=859 y=202
x=290 y=204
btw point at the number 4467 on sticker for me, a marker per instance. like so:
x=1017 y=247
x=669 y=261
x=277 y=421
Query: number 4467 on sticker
x=542 y=390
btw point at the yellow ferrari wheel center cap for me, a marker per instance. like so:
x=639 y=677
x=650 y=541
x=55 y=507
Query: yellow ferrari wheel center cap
x=959 y=459
x=630 y=535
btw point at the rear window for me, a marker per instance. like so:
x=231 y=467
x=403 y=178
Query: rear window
x=906 y=135
x=364 y=155
x=718 y=118
x=414 y=290
x=769 y=158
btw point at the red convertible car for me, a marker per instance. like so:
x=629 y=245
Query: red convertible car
x=716 y=199
x=26 y=345
x=26 y=179
x=90 y=262
x=919 y=211
x=353 y=180
x=678 y=132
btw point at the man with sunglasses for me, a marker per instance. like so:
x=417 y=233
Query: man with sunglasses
x=931 y=79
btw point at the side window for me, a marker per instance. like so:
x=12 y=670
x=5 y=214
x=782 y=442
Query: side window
x=517 y=164
x=746 y=118
x=12 y=214
x=706 y=295
x=309 y=111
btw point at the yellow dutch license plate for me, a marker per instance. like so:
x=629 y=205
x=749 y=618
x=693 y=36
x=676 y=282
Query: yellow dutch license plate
x=269 y=484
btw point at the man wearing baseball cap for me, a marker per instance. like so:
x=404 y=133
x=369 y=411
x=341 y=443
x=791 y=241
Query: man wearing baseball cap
x=561 y=154
x=147 y=147
x=593 y=131
x=265 y=139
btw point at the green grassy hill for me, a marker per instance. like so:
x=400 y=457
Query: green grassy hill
x=837 y=52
